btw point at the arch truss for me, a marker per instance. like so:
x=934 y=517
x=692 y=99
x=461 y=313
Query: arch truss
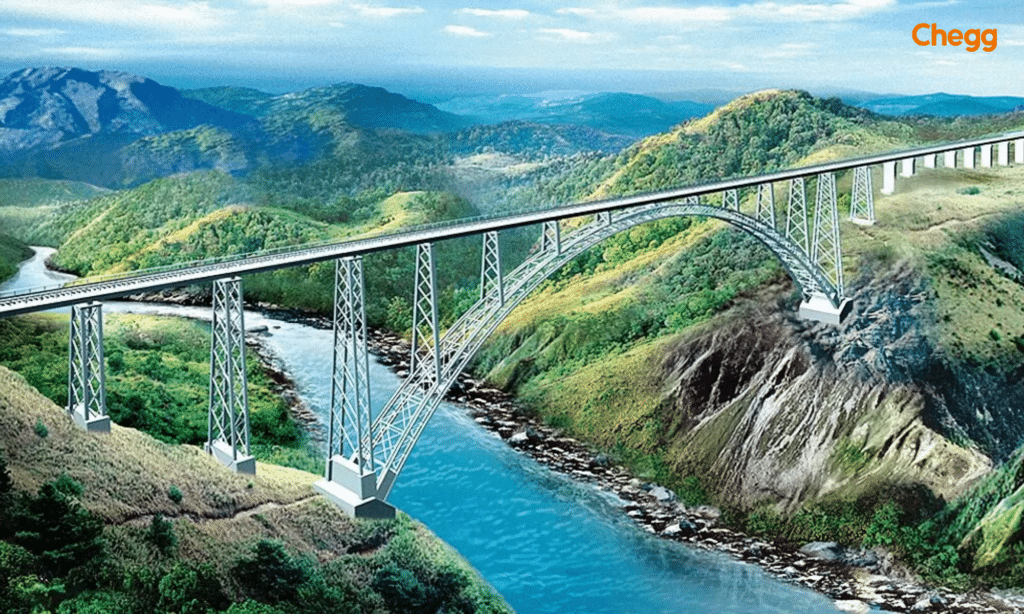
x=360 y=477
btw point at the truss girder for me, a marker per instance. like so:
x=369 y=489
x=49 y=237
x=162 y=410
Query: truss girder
x=796 y=215
x=862 y=201
x=351 y=413
x=229 y=398
x=425 y=329
x=827 y=253
x=765 y=211
x=87 y=389
x=400 y=423
x=492 y=282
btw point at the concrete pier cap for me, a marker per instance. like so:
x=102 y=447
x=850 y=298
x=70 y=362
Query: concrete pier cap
x=820 y=309
x=354 y=490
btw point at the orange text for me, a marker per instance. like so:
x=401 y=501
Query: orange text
x=974 y=38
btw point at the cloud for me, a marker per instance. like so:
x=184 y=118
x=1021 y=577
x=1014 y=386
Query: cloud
x=578 y=11
x=671 y=14
x=188 y=15
x=835 y=10
x=77 y=53
x=500 y=13
x=466 y=31
x=33 y=32
x=386 y=12
x=577 y=36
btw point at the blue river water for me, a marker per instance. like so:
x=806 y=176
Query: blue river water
x=548 y=544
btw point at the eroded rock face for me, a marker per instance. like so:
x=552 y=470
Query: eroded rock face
x=771 y=408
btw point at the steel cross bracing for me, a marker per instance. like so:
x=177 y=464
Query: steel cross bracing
x=398 y=426
x=229 y=398
x=766 y=204
x=492 y=282
x=87 y=392
x=351 y=416
x=796 y=215
x=862 y=200
x=103 y=287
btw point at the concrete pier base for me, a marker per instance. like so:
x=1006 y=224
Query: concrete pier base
x=222 y=452
x=95 y=423
x=353 y=490
x=820 y=309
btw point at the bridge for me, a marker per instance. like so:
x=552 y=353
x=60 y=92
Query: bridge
x=365 y=452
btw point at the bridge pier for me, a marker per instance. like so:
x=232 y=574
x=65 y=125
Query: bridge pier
x=968 y=157
x=950 y=159
x=827 y=254
x=351 y=483
x=906 y=170
x=929 y=160
x=986 y=156
x=87 y=391
x=862 y=198
x=1018 y=151
x=228 y=423
x=425 y=329
x=1004 y=153
x=889 y=175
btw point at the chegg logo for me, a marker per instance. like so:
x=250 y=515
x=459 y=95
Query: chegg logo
x=974 y=38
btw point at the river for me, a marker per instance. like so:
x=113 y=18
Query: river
x=548 y=544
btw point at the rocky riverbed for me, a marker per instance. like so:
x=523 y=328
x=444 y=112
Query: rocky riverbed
x=858 y=580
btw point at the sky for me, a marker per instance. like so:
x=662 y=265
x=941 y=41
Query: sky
x=436 y=50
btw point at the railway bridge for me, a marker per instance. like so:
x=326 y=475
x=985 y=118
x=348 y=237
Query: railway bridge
x=365 y=452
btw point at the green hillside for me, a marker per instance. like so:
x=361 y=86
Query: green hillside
x=678 y=353
x=125 y=523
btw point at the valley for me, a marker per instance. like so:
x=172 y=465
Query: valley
x=673 y=348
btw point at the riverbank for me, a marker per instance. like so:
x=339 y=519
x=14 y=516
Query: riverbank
x=859 y=580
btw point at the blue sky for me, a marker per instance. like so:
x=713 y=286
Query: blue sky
x=480 y=45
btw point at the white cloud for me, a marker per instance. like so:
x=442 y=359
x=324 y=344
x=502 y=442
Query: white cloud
x=466 y=31
x=188 y=15
x=78 y=53
x=385 y=12
x=571 y=35
x=671 y=14
x=33 y=32
x=501 y=13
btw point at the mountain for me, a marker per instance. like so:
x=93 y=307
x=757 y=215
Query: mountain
x=360 y=106
x=631 y=115
x=944 y=105
x=47 y=106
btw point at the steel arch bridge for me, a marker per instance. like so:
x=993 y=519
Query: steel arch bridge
x=366 y=453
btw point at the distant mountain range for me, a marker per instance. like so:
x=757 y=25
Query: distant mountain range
x=630 y=115
x=943 y=105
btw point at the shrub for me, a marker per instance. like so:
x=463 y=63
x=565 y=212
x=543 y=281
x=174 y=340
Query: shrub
x=271 y=575
x=174 y=494
x=40 y=429
x=161 y=534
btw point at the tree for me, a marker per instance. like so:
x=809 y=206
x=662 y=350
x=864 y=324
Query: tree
x=55 y=528
x=271 y=575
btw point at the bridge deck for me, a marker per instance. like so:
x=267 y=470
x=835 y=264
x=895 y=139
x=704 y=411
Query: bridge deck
x=106 y=287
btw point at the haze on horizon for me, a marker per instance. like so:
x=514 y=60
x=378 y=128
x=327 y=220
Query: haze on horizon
x=433 y=49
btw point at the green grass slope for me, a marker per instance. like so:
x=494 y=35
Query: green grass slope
x=125 y=523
